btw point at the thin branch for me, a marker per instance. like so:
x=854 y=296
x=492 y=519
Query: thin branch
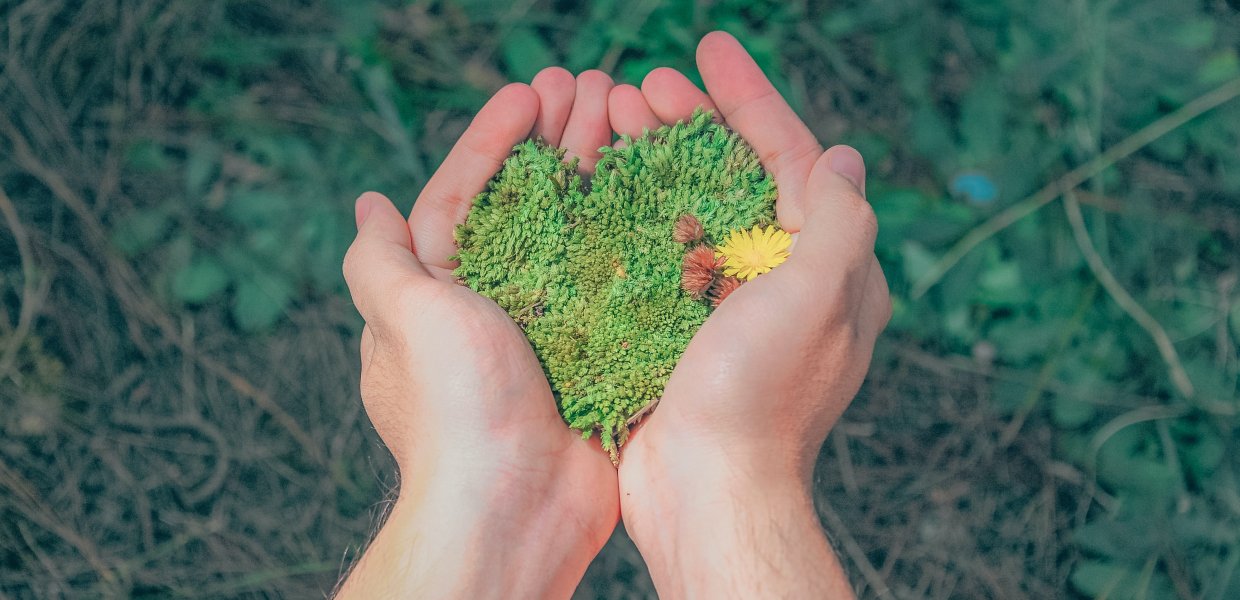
x=127 y=287
x=1074 y=178
x=1125 y=300
x=30 y=291
x=1128 y=419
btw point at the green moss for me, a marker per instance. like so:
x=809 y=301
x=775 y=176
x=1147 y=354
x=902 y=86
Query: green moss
x=593 y=277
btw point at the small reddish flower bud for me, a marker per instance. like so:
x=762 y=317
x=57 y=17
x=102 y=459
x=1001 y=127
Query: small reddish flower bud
x=696 y=281
x=704 y=257
x=688 y=229
x=722 y=289
x=698 y=271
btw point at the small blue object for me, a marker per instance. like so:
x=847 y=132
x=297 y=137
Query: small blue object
x=974 y=187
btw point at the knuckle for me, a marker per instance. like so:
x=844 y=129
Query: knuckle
x=790 y=155
x=864 y=220
x=349 y=265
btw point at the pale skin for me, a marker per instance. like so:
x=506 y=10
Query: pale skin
x=497 y=497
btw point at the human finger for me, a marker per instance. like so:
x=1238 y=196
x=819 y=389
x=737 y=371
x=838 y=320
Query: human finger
x=876 y=309
x=503 y=122
x=556 y=89
x=755 y=109
x=380 y=261
x=588 y=128
x=629 y=112
x=840 y=226
x=672 y=96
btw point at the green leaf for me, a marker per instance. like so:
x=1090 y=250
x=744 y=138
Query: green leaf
x=1202 y=454
x=1194 y=34
x=200 y=167
x=932 y=137
x=1001 y=284
x=260 y=208
x=983 y=113
x=917 y=260
x=260 y=302
x=525 y=53
x=200 y=280
x=1131 y=461
x=1212 y=384
x=1070 y=413
x=1021 y=339
x=1096 y=578
x=1235 y=320
x=139 y=230
x=900 y=211
x=1220 y=67
x=146 y=155
x=1114 y=581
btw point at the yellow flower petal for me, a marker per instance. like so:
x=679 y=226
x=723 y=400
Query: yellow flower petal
x=749 y=253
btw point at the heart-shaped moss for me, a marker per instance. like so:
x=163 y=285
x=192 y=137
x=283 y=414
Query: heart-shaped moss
x=594 y=277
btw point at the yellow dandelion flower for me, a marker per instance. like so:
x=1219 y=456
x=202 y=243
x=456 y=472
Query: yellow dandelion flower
x=748 y=254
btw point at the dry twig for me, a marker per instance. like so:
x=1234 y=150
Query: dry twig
x=1070 y=180
x=1125 y=300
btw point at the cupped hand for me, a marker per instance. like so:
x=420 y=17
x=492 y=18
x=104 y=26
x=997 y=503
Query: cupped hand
x=497 y=496
x=760 y=385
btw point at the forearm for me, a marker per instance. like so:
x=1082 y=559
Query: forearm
x=756 y=547
x=441 y=548
x=727 y=528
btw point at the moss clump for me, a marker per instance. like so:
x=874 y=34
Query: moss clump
x=594 y=276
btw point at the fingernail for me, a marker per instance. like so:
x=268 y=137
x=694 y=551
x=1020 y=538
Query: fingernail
x=846 y=161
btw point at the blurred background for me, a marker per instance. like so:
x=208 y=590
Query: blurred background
x=1052 y=413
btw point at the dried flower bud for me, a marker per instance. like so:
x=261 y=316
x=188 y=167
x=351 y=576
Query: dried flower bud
x=696 y=281
x=705 y=257
x=722 y=289
x=698 y=271
x=688 y=229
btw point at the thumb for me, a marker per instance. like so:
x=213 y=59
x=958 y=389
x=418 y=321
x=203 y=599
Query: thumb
x=840 y=226
x=380 y=261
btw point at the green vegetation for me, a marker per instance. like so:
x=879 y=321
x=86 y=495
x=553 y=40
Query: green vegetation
x=1054 y=406
x=594 y=278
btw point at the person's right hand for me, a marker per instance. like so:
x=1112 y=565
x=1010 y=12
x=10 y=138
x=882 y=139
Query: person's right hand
x=717 y=480
x=498 y=498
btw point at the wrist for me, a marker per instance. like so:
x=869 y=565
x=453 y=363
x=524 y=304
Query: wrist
x=454 y=532
x=727 y=524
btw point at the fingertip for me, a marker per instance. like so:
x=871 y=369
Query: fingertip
x=380 y=255
x=519 y=103
x=552 y=77
x=620 y=94
x=715 y=41
x=595 y=77
x=660 y=76
x=834 y=202
x=556 y=89
x=375 y=214
x=588 y=127
x=623 y=92
x=364 y=204
x=629 y=112
x=672 y=96
x=848 y=163
x=517 y=91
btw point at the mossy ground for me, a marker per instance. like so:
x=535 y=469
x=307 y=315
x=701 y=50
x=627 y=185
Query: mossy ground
x=590 y=270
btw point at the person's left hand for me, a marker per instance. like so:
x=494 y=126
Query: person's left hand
x=719 y=476
x=497 y=496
